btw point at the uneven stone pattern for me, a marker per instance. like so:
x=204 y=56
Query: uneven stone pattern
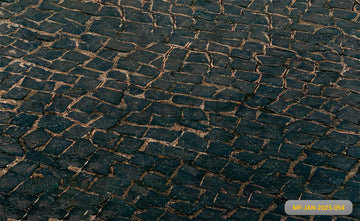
x=177 y=109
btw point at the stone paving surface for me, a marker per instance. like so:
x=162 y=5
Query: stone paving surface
x=177 y=109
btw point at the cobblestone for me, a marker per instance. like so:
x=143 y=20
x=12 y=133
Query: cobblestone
x=177 y=109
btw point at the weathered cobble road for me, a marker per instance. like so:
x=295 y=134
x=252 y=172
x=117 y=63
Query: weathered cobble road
x=177 y=109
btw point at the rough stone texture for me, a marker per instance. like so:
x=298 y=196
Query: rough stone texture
x=177 y=109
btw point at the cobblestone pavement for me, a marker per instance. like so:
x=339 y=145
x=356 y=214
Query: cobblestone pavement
x=177 y=109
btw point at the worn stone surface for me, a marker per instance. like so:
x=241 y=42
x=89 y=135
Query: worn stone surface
x=177 y=109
